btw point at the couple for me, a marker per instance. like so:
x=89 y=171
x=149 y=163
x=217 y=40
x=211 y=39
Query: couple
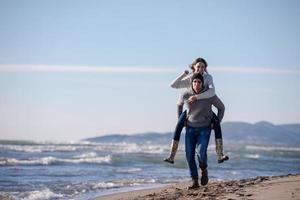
x=199 y=119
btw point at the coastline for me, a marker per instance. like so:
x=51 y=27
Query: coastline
x=267 y=187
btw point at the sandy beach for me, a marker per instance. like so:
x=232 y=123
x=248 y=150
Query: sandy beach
x=276 y=188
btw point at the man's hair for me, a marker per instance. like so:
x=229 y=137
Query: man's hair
x=197 y=76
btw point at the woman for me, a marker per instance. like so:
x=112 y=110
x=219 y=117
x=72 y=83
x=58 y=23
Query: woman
x=184 y=81
x=198 y=128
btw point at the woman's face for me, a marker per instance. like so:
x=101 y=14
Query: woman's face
x=199 y=67
x=197 y=85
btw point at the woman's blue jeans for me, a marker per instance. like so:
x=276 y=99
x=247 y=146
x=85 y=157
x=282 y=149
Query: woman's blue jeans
x=180 y=125
x=196 y=141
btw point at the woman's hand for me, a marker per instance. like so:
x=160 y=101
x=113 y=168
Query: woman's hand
x=186 y=72
x=192 y=99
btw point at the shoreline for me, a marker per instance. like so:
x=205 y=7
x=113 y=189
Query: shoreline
x=262 y=187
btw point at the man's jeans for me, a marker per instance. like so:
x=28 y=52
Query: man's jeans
x=196 y=139
x=182 y=119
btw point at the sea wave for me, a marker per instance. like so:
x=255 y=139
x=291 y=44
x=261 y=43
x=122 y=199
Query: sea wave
x=124 y=147
x=134 y=182
x=76 y=190
x=272 y=148
x=87 y=155
x=253 y=156
x=38 y=148
x=50 y=160
x=44 y=193
x=83 y=187
x=128 y=170
x=121 y=147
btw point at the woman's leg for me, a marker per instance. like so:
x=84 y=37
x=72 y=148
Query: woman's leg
x=218 y=139
x=176 y=137
x=180 y=125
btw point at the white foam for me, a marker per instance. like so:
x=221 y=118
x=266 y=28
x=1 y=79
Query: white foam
x=87 y=155
x=253 y=156
x=47 y=160
x=105 y=185
x=50 y=160
x=45 y=193
x=37 y=148
x=121 y=147
x=272 y=148
x=13 y=161
x=130 y=148
x=99 y=160
x=137 y=181
x=129 y=170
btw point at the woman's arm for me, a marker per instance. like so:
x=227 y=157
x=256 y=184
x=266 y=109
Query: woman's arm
x=205 y=95
x=210 y=88
x=182 y=81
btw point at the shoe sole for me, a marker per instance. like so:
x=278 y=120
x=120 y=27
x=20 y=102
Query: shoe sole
x=224 y=159
x=168 y=161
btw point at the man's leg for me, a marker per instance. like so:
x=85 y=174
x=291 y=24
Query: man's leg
x=176 y=137
x=190 y=145
x=218 y=139
x=202 y=144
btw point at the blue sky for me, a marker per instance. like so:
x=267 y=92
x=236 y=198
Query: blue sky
x=76 y=69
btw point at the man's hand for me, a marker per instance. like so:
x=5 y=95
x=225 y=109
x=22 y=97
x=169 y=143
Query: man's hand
x=192 y=99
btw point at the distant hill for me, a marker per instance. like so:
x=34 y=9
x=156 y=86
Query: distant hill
x=136 y=138
x=233 y=132
x=291 y=127
x=262 y=133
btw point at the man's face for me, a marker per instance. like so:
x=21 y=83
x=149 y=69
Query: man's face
x=197 y=85
x=199 y=67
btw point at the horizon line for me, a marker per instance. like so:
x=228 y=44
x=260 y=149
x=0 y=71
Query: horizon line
x=140 y=69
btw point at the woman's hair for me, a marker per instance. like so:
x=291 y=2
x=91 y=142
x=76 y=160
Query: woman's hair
x=196 y=61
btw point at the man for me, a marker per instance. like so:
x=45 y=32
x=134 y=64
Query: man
x=198 y=127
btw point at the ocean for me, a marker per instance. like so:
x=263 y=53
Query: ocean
x=85 y=169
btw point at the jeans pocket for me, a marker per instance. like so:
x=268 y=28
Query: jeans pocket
x=189 y=130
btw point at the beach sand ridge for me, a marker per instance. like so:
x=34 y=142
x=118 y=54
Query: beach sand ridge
x=275 y=188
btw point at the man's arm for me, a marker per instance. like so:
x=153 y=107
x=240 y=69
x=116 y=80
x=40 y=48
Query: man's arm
x=180 y=102
x=220 y=106
x=182 y=81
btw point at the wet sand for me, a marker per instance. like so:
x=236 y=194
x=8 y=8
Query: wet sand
x=276 y=188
